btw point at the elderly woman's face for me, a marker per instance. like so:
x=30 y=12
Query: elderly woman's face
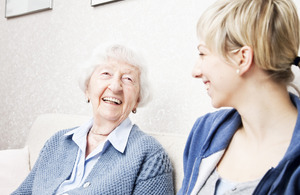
x=114 y=91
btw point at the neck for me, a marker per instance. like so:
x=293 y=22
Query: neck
x=103 y=127
x=268 y=114
x=101 y=134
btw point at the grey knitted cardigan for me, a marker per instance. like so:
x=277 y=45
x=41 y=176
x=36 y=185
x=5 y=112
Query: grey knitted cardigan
x=143 y=168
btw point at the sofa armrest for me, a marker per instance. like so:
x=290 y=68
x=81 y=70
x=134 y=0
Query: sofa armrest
x=47 y=125
x=14 y=167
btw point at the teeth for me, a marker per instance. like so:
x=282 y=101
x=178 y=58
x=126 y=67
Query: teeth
x=113 y=100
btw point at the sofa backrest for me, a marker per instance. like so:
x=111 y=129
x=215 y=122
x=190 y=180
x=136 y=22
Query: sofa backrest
x=47 y=124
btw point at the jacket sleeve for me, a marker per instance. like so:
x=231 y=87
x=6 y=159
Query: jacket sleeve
x=155 y=176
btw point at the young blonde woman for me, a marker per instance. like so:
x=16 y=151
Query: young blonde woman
x=247 y=49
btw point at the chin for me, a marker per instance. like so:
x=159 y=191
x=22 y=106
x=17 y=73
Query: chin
x=216 y=104
x=107 y=116
x=113 y=118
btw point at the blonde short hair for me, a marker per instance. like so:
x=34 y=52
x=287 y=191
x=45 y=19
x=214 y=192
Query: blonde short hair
x=129 y=55
x=270 y=27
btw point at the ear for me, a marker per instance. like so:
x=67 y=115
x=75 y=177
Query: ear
x=245 y=56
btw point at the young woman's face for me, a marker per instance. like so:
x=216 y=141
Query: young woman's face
x=114 y=91
x=218 y=76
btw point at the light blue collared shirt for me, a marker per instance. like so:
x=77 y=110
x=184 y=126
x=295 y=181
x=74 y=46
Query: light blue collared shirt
x=83 y=166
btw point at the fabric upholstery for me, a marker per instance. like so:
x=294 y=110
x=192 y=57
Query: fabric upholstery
x=14 y=168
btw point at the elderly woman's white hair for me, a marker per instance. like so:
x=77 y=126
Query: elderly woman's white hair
x=117 y=52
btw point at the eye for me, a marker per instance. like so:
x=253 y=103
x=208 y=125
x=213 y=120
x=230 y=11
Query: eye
x=201 y=55
x=203 y=51
x=128 y=79
x=105 y=74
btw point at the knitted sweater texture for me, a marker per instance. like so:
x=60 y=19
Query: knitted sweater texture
x=143 y=168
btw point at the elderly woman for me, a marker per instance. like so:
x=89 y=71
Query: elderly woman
x=108 y=154
x=246 y=51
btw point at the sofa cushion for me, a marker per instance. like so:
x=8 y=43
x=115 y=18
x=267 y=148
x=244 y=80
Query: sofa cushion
x=45 y=126
x=14 y=167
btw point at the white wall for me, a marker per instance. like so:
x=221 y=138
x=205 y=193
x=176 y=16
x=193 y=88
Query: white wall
x=39 y=53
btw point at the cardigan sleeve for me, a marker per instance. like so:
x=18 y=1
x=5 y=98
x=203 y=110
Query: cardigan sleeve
x=27 y=185
x=155 y=176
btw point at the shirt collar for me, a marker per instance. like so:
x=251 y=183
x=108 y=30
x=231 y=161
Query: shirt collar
x=118 y=137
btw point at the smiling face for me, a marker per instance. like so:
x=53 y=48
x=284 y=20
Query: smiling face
x=113 y=90
x=218 y=76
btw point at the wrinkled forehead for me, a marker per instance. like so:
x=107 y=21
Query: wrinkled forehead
x=114 y=64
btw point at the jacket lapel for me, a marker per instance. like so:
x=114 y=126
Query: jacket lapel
x=206 y=167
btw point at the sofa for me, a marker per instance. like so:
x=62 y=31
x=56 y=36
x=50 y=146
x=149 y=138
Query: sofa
x=15 y=164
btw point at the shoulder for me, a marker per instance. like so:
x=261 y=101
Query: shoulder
x=61 y=133
x=216 y=116
x=143 y=140
x=55 y=145
x=146 y=147
x=211 y=120
x=213 y=125
x=155 y=159
x=59 y=138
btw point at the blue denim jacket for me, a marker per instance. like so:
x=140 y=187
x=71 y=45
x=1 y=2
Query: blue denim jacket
x=208 y=140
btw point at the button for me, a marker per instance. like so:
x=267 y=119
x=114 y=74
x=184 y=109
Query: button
x=87 y=184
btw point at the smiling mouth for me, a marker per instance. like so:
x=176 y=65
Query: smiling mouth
x=112 y=100
x=207 y=84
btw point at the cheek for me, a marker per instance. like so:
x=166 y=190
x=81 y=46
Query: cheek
x=208 y=65
x=137 y=94
x=133 y=95
x=96 y=89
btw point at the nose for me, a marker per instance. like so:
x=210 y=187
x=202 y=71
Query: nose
x=197 y=72
x=115 y=85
